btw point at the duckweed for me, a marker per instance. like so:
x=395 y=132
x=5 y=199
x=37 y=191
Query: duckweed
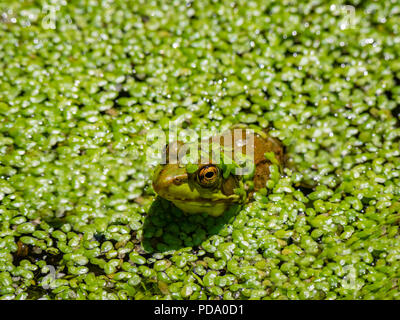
x=78 y=216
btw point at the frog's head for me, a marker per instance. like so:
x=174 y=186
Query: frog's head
x=204 y=190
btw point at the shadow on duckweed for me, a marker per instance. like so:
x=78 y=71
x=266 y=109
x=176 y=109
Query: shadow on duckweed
x=168 y=228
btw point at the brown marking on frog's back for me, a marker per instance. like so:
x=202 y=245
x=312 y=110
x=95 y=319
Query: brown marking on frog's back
x=262 y=144
x=229 y=185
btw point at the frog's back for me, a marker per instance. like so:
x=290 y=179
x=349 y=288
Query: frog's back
x=237 y=139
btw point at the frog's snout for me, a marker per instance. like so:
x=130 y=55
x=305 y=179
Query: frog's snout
x=162 y=184
x=180 y=180
x=170 y=188
x=168 y=180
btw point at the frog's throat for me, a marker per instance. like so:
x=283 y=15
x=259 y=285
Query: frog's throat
x=205 y=202
x=196 y=207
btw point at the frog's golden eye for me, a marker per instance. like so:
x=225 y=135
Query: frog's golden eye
x=208 y=176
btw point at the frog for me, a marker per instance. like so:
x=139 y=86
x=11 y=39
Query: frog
x=209 y=187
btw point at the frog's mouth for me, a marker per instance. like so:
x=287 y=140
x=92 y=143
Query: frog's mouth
x=198 y=203
x=204 y=202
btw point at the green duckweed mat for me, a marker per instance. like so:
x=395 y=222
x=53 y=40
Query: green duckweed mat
x=81 y=82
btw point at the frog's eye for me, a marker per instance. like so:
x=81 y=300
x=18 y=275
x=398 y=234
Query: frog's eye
x=208 y=176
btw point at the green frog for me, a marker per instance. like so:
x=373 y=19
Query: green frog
x=213 y=186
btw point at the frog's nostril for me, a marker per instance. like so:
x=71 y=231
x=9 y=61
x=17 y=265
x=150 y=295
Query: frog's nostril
x=179 y=180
